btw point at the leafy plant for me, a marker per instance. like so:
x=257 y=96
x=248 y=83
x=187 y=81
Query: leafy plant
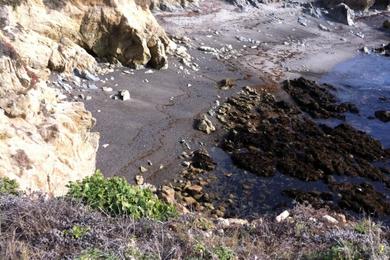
x=200 y=251
x=343 y=250
x=203 y=223
x=364 y=226
x=96 y=254
x=117 y=197
x=224 y=253
x=8 y=186
x=77 y=231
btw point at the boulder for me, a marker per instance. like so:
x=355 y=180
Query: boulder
x=167 y=194
x=354 y=4
x=386 y=24
x=169 y=5
x=202 y=160
x=383 y=115
x=343 y=14
x=330 y=219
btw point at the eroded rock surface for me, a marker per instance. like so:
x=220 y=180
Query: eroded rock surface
x=46 y=142
x=51 y=34
x=169 y=5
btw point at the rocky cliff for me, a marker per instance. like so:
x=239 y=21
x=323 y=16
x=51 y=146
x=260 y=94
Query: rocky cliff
x=45 y=141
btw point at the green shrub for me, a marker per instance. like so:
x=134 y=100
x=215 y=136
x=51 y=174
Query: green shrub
x=8 y=186
x=117 y=197
x=224 y=253
x=364 y=226
x=77 y=231
x=96 y=254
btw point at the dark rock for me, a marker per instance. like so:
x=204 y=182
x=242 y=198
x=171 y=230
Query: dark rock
x=226 y=83
x=386 y=24
x=384 y=50
x=316 y=199
x=317 y=100
x=354 y=4
x=202 y=160
x=383 y=115
x=281 y=138
x=343 y=14
x=362 y=198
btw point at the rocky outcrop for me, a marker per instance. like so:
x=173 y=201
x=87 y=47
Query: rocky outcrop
x=118 y=29
x=45 y=142
x=354 y=4
x=168 y=5
x=254 y=3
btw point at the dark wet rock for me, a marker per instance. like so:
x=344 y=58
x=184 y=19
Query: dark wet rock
x=386 y=24
x=383 y=115
x=226 y=84
x=254 y=162
x=362 y=198
x=268 y=135
x=384 y=50
x=202 y=160
x=343 y=14
x=354 y=4
x=246 y=3
x=317 y=100
x=315 y=198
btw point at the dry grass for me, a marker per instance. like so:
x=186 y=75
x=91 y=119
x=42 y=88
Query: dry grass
x=38 y=228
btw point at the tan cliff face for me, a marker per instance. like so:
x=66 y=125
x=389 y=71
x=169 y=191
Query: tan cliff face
x=46 y=142
x=117 y=29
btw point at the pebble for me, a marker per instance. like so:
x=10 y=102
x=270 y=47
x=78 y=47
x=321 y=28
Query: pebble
x=92 y=86
x=186 y=163
x=142 y=169
x=105 y=145
x=107 y=89
x=323 y=27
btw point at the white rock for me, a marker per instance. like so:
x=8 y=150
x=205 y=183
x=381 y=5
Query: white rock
x=107 y=89
x=283 y=216
x=139 y=180
x=124 y=95
x=330 y=219
x=226 y=222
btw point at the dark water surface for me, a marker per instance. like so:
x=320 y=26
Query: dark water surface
x=364 y=81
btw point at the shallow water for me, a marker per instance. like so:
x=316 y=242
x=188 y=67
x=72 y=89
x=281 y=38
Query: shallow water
x=256 y=194
x=365 y=81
